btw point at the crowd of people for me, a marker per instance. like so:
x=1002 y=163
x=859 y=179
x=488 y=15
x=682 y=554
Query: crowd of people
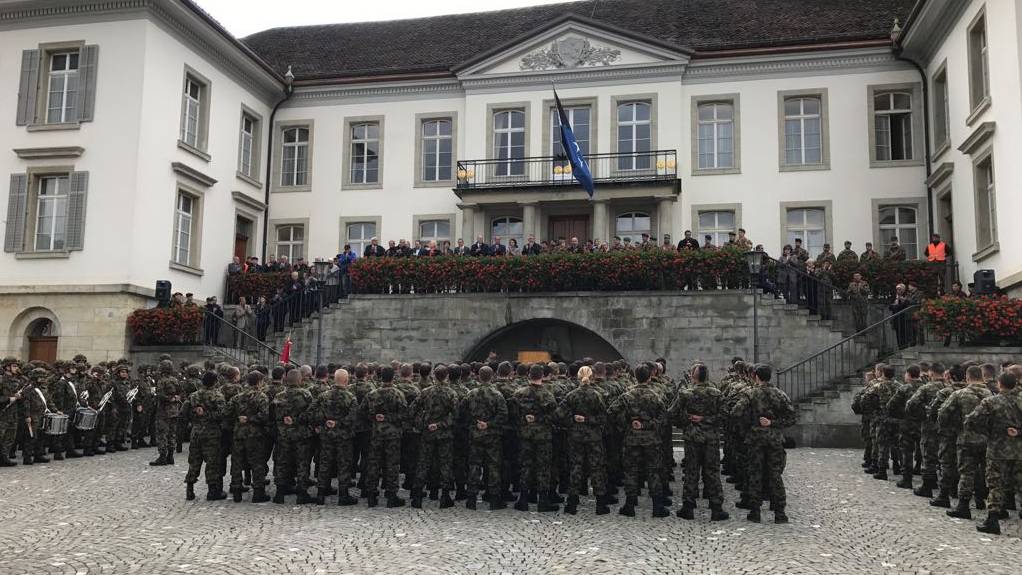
x=541 y=433
x=958 y=427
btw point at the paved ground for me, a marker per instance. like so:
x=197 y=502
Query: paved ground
x=116 y=515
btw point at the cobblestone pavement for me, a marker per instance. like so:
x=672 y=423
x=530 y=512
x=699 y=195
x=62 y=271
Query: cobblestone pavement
x=116 y=515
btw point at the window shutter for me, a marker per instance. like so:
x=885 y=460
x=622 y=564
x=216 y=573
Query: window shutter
x=17 y=212
x=29 y=87
x=75 y=232
x=87 y=61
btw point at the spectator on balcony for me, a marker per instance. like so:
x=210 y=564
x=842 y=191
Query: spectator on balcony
x=241 y=317
x=374 y=249
x=574 y=247
x=177 y=300
x=211 y=321
x=189 y=301
x=392 y=249
x=848 y=255
x=279 y=306
x=445 y=248
x=646 y=243
x=827 y=255
x=460 y=249
x=512 y=247
x=811 y=287
x=302 y=267
x=281 y=265
x=235 y=266
x=708 y=243
x=937 y=251
x=344 y=261
x=895 y=252
x=262 y=316
x=688 y=243
x=800 y=252
x=252 y=265
x=870 y=255
x=668 y=245
x=498 y=249
x=531 y=248
x=858 y=296
x=545 y=246
x=825 y=287
x=295 y=292
x=787 y=274
x=902 y=330
x=479 y=248
x=742 y=242
x=957 y=291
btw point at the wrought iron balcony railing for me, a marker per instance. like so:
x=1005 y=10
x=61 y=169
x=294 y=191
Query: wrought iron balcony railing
x=653 y=166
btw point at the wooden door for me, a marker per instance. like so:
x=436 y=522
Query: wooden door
x=568 y=227
x=241 y=246
x=43 y=348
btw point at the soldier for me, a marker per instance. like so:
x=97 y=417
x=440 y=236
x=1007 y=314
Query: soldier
x=410 y=436
x=999 y=420
x=33 y=407
x=947 y=439
x=93 y=391
x=142 y=408
x=334 y=412
x=11 y=386
x=64 y=396
x=118 y=409
x=858 y=296
x=205 y=410
x=698 y=412
x=584 y=413
x=848 y=255
x=870 y=255
x=433 y=416
x=768 y=412
x=275 y=386
x=532 y=410
x=385 y=411
x=639 y=413
x=908 y=429
x=971 y=445
x=915 y=411
x=230 y=387
x=484 y=413
x=827 y=255
x=168 y=407
x=361 y=388
x=885 y=425
x=249 y=414
x=895 y=252
x=867 y=413
x=291 y=462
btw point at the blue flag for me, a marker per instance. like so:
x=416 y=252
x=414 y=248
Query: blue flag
x=579 y=166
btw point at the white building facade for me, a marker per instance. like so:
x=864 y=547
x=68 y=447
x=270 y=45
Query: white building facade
x=146 y=143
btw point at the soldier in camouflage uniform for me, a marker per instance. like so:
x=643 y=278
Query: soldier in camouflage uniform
x=767 y=412
x=92 y=386
x=249 y=414
x=205 y=410
x=142 y=408
x=64 y=398
x=33 y=407
x=361 y=388
x=169 y=396
x=484 y=412
x=866 y=426
x=698 y=412
x=948 y=440
x=971 y=446
x=639 y=413
x=404 y=382
x=510 y=471
x=11 y=384
x=999 y=420
x=433 y=415
x=915 y=411
x=384 y=410
x=885 y=426
x=583 y=412
x=908 y=430
x=334 y=412
x=291 y=462
x=532 y=410
x=189 y=382
x=118 y=410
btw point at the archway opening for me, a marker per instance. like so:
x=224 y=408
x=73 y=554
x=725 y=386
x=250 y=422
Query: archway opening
x=536 y=339
x=42 y=340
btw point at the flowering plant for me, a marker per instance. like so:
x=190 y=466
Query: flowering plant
x=166 y=326
x=253 y=285
x=976 y=318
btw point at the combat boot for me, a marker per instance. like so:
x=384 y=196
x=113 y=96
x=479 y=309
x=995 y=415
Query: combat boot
x=506 y=496
x=111 y=447
x=26 y=460
x=924 y=490
x=571 y=507
x=6 y=462
x=416 y=496
x=303 y=496
x=780 y=517
x=344 y=498
x=73 y=454
x=189 y=491
x=992 y=525
x=170 y=458
x=905 y=483
x=717 y=513
x=1009 y=502
x=687 y=511
x=236 y=494
x=321 y=495
x=393 y=500
x=215 y=492
x=660 y=507
x=981 y=503
x=523 y=501
x=743 y=502
x=602 y=504
x=942 y=500
x=628 y=509
x=961 y=511
x=497 y=503
x=58 y=456
x=470 y=501
x=278 y=496
x=259 y=495
x=372 y=499
x=445 y=499
x=754 y=515
x=434 y=494
x=460 y=493
x=547 y=503
x=882 y=474
x=41 y=459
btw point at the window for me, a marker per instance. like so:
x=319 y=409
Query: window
x=717 y=224
x=51 y=213
x=634 y=137
x=716 y=135
x=184 y=220
x=295 y=157
x=979 y=70
x=63 y=88
x=579 y=118
x=986 y=204
x=365 y=153
x=507 y=228
x=941 y=111
x=899 y=222
x=892 y=122
x=248 y=146
x=291 y=242
x=191 y=112
x=509 y=142
x=359 y=234
x=434 y=230
x=437 y=149
x=809 y=225
x=803 y=131
x=633 y=225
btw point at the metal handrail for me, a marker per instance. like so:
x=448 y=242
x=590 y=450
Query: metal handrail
x=250 y=340
x=805 y=275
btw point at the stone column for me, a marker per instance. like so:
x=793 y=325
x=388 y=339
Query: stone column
x=530 y=219
x=468 y=219
x=600 y=223
x=665 y=218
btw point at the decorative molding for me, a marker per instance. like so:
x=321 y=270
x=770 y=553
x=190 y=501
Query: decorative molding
x=186 y=269
x=577 y=75
x=78 y=289
x=43 y=255
x=703 y=70
x=979 y=136
x=248 y=201
x=941 y=173
x=570 y=52
x=49 y=153
x=317 y=96
x=191 y=173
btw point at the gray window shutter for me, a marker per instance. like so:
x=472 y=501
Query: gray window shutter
x=75 y=231
x=29 y=87
x=17 y=212
x=87 y=62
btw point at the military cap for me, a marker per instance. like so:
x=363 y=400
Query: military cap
x=39 y=374
x=10 y=361
x=166 y=366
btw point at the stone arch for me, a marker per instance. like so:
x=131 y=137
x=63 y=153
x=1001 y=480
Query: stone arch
x=28 y=323
x=564 y=340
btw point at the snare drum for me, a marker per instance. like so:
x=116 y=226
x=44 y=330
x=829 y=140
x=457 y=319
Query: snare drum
x=55 y=424
x=85 y=419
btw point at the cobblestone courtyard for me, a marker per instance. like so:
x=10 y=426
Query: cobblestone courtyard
x=116 y=515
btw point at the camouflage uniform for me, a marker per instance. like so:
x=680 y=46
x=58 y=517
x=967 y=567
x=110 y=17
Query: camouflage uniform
x=33 y=406
x=384 y=449
x=291 y=454
x=766 y=444
x=484 y=403
x=585 y=439
x=640 y=413
x=885 y=426
x=249 y=438
x=10 y=384
x=915 y=411
x=142 y=409
x=168 y=408
x=204 y=443
x=436 y=405
x=702 y=441
x=991 y=419
x=908 y=429
x=336 y=444
x=866 y=426
x=64 y=397
x=971 y=447
x=535 y=438
x=948 y=441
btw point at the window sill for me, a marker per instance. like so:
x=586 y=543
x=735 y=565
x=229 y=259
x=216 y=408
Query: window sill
x=977 y=111
x=804 y=167
x=434 y=184
x=986 y=252
x=194 y=151
x=715 y=171
x=941 y=150
x=249 y=180
x=895 y=163
x=186 y=269
x=54 y=255
x=53 y=127
x=290 y=189
x=370 y=186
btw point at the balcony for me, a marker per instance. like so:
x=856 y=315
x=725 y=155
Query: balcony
x=618 y=168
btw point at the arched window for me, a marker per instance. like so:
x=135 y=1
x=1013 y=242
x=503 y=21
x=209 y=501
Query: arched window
x=633 y=225
x=509 y=142
x=634 y=136
x=899 y=222
x=507 y=228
